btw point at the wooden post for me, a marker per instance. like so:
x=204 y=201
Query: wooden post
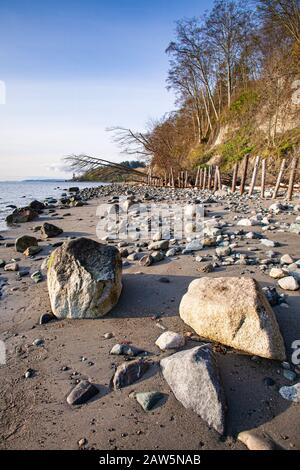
x=244 y=177
x=280 y=174
x=209 y=178
x=197 y=177
x=186 y=179
x=204 y=178
x=263 y=178
x=216 y=180
x=219 y=177
x=254 y=176
x=234 y=177
x=200 y=179
x=292 y=178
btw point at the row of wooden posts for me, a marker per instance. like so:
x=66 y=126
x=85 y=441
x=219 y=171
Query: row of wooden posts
x=210 y=178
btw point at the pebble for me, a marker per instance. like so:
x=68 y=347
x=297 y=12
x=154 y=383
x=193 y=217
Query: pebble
x=148 y=400
x=291 y=393
x=255 y=442
x=289 y=283
x=170 y=340
x=83 y=392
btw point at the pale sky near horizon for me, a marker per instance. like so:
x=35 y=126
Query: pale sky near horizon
x=74 y=68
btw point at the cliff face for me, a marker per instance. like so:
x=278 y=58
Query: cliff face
x=257 y=125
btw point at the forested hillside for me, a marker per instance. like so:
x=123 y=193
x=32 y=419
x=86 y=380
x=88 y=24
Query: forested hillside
x=236 y=75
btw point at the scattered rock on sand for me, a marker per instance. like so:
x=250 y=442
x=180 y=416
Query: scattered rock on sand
x=255 y=442
x=11 y=267
x=32 y=251
x=291 y=393
x=148 y=400
x=277 y=273
x=126 y=350
x=286 y=259
x=2 y=263
x=146 y=260
x=20 y=216
x=37 y=277
x=24 y=242
x=129 y=372
x=233 y=311
x=289 y=283
x=170 y=340
x=83 y=392
x=46 y=318
x=50 y=230
x=194 y=379
x=84 y=279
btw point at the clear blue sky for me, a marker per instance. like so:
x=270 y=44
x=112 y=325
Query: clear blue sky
x=73 y=68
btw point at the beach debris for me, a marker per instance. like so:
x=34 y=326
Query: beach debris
x=84 y=279
x=235 y=312
x=194 y=379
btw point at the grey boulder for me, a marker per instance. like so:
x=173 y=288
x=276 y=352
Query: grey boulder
x=194 y=379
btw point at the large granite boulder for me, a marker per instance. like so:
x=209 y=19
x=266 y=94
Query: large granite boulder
x=84 y=279
x=233 y=311
x=194 y=379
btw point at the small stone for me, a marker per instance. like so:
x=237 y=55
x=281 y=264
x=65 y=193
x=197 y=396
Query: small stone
x=255 y=442
x=170 y=340
x=38 y=342
x=286 y=259
x=28 y=374
x=159 y=245
x=146 y=260
x=148 y=400
x=2 y=263
x=291 y=393
x=108 y=335
x=82 y=442
x=37 y=277
x=32 y=251
x=206 y=268
x=83 y=392
x=46 y=318
x=129 y=372
x=133 y=257
x=276 y=273
x=126 y=350
x=50 y=230
x=268 y=243
x=289 y=375
x=289 y=283
x=11 y=267
x=223 y=251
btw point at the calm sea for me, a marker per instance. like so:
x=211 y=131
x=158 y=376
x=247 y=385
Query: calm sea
x=20 y=193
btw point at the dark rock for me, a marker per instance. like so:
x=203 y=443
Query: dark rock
x=22 y=215
x=129 y=372
x=37 y=206
x=146 y=260
x=83 y=392
x=24 y=242
x=46 y=318
x=50 y=230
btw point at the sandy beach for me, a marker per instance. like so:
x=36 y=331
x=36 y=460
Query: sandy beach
x=34 y=412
